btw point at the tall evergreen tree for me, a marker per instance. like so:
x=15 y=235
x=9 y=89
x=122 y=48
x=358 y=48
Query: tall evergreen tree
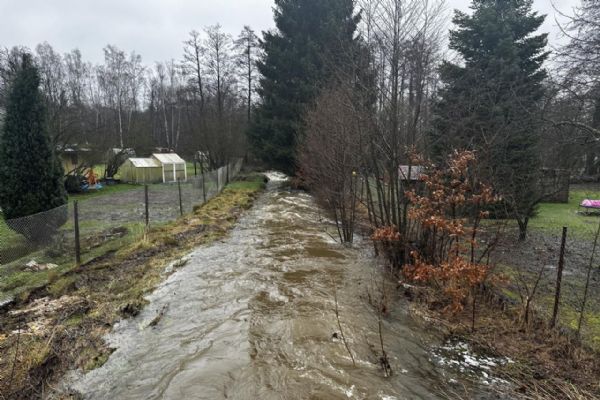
x=490 y=102
x=31 y=177
x=312 y=40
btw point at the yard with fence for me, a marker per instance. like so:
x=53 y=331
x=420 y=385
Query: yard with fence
x=105 y=221
x=532 y=265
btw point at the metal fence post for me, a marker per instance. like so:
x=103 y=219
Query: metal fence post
x=559 y=273
x=180 y=202
x=147 y=213
x=203 y=183
x=77 y=242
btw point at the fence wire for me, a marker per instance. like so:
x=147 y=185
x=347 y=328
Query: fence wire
x=106 y=222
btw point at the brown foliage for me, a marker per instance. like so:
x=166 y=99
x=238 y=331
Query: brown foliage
x=446 y=218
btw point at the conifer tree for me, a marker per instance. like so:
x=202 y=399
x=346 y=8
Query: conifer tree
x=312 y=39
x=490 y=102
x=31 y=177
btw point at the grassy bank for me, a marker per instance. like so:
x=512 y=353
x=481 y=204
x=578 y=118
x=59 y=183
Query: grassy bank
x=59 y=323
x=545 y=363
x=105 y=191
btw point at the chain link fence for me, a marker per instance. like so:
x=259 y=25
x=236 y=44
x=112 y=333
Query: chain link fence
x=83 y=230
x=562 y=283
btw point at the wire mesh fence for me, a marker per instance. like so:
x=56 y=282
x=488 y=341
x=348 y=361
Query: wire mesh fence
x=105 y=223
x=561 y=283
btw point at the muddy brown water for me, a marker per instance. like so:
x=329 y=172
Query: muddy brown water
x=252 y=317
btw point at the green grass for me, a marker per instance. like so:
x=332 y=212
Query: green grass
x=10 y=241
x=552 y=217
x=190 y=169
x=106 y=190
x=15 y=282
x=253 y=182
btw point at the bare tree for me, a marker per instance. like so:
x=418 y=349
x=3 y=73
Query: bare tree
x=222 y=85
x=119 y=79
x=247 y=46
x=577 y=79
x=193 y=54
x=166 y=86
x=330 y=154
x=404 y=38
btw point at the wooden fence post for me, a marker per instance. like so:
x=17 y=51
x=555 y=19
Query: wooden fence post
x=77 y=242
x=559 y=273
x=146 y=206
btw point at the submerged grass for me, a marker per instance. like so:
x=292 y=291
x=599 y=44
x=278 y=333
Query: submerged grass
x=61 y=316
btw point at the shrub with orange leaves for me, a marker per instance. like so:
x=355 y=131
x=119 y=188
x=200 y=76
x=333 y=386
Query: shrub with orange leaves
x=386 y=234
x=447 y=216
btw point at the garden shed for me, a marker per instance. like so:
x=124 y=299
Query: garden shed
x=173 y=167
x=141 y=170
x=161 y=167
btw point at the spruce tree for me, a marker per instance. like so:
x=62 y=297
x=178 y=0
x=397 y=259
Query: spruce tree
x=490 y=102
x=31 y=177
x=312 y=40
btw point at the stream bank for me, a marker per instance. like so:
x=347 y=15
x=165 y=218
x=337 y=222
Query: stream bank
x=61 y=326
x=252 y=316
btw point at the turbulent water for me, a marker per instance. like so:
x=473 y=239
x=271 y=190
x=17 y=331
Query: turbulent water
x=252 y=317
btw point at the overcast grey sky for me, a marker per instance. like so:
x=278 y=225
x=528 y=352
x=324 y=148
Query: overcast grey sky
x=153 y=28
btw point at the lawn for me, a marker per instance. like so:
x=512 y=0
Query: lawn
x=553 y=216
x=106 y=190
x=190 y=169
x=11 y=243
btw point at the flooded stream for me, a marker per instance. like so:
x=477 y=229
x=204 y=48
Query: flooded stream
x=252 y=317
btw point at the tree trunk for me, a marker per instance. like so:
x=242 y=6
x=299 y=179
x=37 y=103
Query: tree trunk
x=523 y=228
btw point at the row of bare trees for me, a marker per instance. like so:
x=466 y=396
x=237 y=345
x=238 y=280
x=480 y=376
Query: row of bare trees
x=366 y=125
x=198 y=103
x=572 y=108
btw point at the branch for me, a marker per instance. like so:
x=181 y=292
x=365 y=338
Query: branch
x=580 y=125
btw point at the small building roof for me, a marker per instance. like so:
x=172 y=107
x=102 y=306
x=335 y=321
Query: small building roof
x=168 y=158
x=145 y=163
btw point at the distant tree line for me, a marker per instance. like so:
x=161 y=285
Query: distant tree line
x=197 y=103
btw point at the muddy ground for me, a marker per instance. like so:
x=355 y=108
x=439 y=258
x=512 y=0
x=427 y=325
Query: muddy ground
x=128 y=206
x=547 y=363
x=523 y=262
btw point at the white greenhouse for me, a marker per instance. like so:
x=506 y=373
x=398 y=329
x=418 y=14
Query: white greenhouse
x=164 y=167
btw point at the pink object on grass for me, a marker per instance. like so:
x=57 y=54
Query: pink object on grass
x=590 y=203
